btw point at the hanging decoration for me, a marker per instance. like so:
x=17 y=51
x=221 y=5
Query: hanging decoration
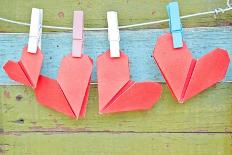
x=68 y=93
x=27 y=70
x=117 y=92
x=186 y=76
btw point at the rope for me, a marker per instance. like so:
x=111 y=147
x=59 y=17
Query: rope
x=215 y=12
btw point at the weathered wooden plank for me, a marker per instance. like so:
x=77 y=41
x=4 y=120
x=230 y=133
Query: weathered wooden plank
x=32 y=129
x=210 y=111
x=60 y=12
x=116 y=143
x=137 y=44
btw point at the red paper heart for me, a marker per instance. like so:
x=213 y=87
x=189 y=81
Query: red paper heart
x=74 y=83
x=186 y=76
x=49 y=93
x=117 y=92
x=74 y=78
x=27 y=70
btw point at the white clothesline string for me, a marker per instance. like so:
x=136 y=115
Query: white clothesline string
x=215 y=12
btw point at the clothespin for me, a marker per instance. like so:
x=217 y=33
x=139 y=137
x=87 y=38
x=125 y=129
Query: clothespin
x=78 y=27
x=113 y=34
x=35 y=30
x=175 y=24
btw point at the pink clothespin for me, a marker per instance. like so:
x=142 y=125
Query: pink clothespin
x=78 y=26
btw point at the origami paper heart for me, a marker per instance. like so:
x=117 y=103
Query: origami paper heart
x=27 y=70
x=49 y=93
x=74 y=78
x=70 y=90
x=186 y=76
x=117 y=92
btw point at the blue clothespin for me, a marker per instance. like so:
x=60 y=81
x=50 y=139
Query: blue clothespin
x=175 y=24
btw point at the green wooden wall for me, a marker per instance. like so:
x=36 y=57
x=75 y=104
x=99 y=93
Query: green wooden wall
x=202 y=126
